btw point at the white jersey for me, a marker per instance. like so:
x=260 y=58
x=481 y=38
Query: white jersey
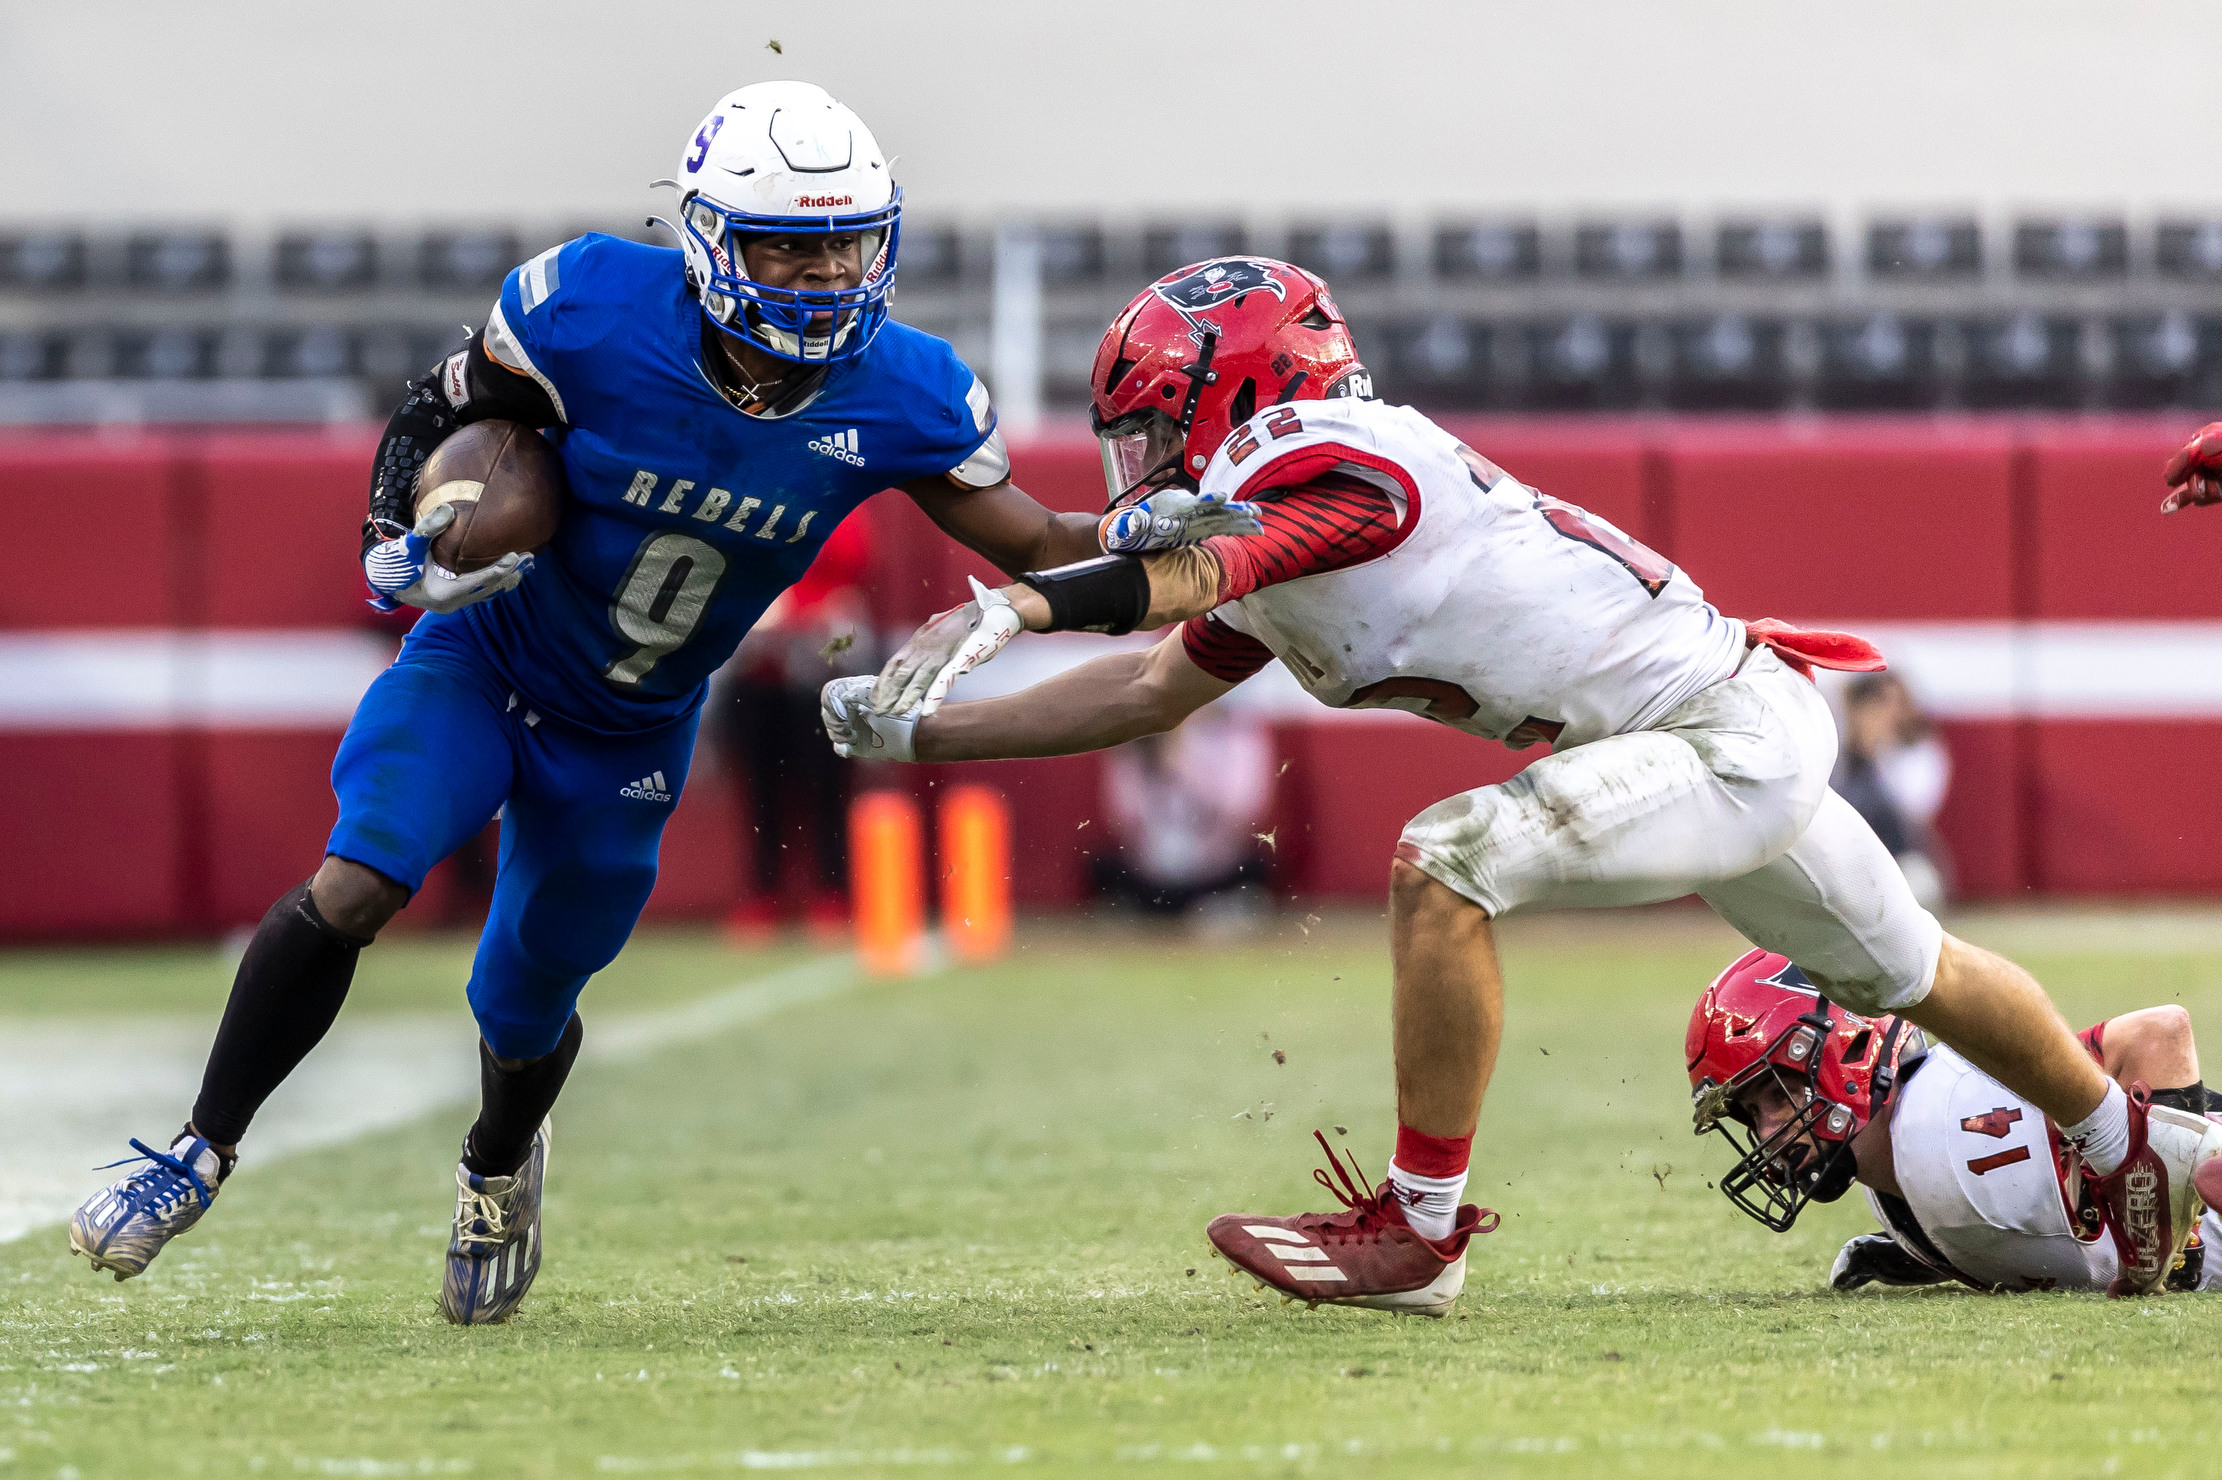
x=1497 y=611
x=1975 y=1163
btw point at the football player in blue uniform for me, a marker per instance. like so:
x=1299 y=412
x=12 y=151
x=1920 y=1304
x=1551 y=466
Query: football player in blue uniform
x=718 y=410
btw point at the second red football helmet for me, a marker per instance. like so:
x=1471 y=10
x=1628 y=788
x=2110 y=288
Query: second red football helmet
x=1198 y=352
x=1762 y=1024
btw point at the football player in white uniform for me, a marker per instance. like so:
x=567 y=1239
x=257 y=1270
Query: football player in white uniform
x=1399 y=568
x=1970 y=1181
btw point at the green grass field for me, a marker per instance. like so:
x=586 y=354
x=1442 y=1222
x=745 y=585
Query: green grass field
x=957 y=1224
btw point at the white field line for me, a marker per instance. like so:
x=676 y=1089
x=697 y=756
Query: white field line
x=74 y=1091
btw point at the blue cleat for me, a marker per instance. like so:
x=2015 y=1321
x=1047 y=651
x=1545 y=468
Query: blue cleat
x=125 y=1224
x=494 y=1251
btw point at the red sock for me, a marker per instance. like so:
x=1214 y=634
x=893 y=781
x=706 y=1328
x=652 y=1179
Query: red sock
x=1432 y=1156
x=1428 y=1177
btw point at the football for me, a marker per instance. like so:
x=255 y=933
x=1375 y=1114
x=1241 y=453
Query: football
x=506 y=483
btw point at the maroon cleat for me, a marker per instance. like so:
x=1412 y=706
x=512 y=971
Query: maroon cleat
x=1365 y=1255
x=2152 y=1201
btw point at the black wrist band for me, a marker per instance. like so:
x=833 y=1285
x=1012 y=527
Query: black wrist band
x=1108 y=594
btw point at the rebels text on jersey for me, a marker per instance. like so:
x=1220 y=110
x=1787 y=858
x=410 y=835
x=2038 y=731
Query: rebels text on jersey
x=686 y=518
x=1400 y=569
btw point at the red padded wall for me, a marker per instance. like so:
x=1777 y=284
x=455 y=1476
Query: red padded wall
x=100 y=513
x=283 y=510
x=2102 y=548
x=94 y=835
x=1900 y=520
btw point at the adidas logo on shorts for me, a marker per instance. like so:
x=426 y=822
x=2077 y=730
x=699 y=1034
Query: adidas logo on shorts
x=841 y=445
x=647 y=789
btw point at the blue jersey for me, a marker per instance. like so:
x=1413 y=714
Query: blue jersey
x=686 y=518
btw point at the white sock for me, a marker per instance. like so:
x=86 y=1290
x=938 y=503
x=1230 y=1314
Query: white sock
x=1430 y=1203
x=2103 y=1135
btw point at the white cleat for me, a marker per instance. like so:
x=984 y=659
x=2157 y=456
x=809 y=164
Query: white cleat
x=124 y=1225
x=493 y=1252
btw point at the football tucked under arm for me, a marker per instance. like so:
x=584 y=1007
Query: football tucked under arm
x=465 y=387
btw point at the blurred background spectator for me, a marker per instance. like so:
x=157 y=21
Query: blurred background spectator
x=792 y=789
x=1894 y=770
x=1187 y=813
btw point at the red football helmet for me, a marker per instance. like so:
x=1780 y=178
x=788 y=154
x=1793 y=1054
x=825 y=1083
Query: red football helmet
x=1198 y=352
x=1763 y=1024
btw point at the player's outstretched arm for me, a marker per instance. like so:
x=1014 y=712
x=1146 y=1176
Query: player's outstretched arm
x=1109 y=701
x=1112 y=593
x=1004 y=525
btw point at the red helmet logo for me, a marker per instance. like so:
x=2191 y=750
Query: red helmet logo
x=1209 y=284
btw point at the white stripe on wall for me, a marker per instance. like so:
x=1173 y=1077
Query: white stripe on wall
x=164 y=679
x=311 y=679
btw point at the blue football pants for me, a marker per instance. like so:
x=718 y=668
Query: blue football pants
x=441 y=742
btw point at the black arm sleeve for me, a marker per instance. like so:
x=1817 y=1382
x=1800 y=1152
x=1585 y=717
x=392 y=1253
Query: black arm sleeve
x=427 y=416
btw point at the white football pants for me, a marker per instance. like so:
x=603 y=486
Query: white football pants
x=1727 y=799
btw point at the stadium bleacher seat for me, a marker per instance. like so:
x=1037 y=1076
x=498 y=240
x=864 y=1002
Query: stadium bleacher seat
x=467 y=259
x=1728 y=362
x=167 y=353
x=1344 y=252
x=1772 y=249
x=2190 y=249
x=319 y=352
x=27 y=354
x=42 y=261
x=1628 y=250
x=1072 y=256
x=1882 y=362
x=1439 y=361
x=1165 y=248
x=1928 y=248
x=1491 y=251
x=2027 y=359
x=325 y=261
x=1584 y=363
x=929 y=255
x=2071 y=249
x=177 y=261
x=2173 y=359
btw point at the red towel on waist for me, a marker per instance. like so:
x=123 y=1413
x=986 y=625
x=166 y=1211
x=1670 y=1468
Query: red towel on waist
x=1805 y=650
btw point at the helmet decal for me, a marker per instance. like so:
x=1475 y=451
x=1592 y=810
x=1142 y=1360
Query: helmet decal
x=1223 y=280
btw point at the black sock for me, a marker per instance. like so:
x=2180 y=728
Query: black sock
x=290 y=986
x=513 y=1102
x=2192 y=1097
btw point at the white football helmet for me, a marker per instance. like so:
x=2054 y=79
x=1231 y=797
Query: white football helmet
x=783 y=158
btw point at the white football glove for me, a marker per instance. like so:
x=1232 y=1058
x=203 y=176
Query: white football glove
x=1171 y=517
x=857 y=731
x=402 y=570
x=950 y=645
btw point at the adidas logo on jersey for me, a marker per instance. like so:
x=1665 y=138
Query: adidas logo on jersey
x=841 y=445
x=647 y=789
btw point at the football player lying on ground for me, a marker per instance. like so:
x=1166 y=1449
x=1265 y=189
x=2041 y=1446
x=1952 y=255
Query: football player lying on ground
x=719 y=408
x=1970 y=1181
x=1399 y=568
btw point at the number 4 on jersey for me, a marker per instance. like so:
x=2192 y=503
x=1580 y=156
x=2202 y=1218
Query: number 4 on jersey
x=1651 y=569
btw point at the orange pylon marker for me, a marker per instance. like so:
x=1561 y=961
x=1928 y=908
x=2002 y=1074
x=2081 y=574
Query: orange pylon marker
x=976 y=872
x=887 y=882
